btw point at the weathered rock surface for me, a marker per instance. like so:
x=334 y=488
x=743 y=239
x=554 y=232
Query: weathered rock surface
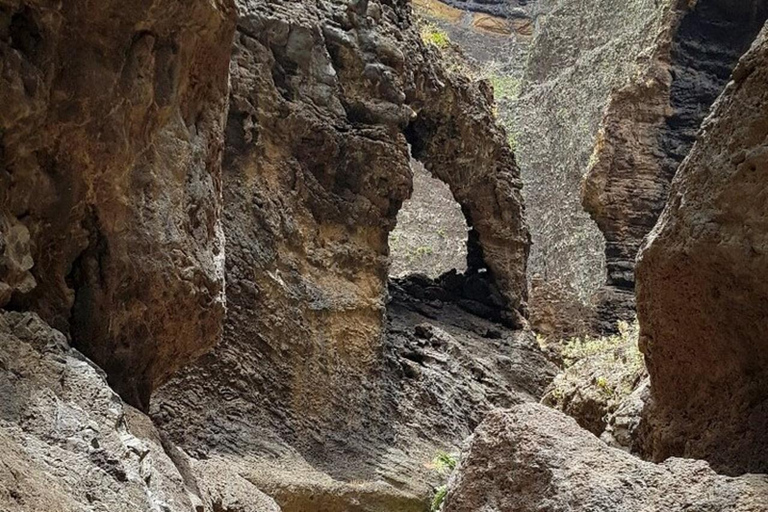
x=325 y=100
x=580 y=52
x=439 y=371
x=111 y=135
x=532 y=458
x=69 y=443
x=702 y=296
x=651 y=123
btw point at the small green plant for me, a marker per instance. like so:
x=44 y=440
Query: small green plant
x=433 y=35
x=438 y=498
x=445 y=462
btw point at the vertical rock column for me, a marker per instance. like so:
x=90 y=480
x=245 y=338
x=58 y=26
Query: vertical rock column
x=650 y=125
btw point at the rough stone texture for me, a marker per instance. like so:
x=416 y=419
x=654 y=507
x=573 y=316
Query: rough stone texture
x=110 y=141
x=69 y=443
x=702 y=296
x=441 y=369
x=532 y=458
x=650 y=125
x=581 y=51
x=325 y=99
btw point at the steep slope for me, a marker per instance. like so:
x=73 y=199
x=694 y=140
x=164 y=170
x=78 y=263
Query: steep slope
x=702 y=299
x=581 y=51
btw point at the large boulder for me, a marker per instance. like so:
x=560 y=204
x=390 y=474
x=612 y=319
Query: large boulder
x=110 y=188
x=702 y=290
x=532 y=458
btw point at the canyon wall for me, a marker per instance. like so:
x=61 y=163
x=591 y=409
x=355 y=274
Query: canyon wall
x=580 y=52
x=702 y=299
x=110 y=182
x=650 y=125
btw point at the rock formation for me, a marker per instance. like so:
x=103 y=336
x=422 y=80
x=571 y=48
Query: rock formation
x=532 y=458
x=68 y=442
x=651 y=123
x=580 y=52
x=325 y=100
x=702 y=298
x=110 y=182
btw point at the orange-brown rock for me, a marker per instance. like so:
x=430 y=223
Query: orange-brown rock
x=702 y=294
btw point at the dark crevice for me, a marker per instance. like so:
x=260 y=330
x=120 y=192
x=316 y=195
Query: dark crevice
x=709 y=43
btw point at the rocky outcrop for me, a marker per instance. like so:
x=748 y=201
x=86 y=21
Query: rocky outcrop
x=650 y=125
x=441 y=369
x=600 y=375
x=110 y=182
x=701 y=290
x=70 y=444
x=532 y=458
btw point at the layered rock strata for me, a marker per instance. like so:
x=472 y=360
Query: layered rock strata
x=650 y=125
x=110 y=182
x=701 y=293
x=532 y=458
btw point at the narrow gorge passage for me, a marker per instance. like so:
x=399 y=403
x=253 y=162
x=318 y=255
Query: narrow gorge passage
x=350 y=255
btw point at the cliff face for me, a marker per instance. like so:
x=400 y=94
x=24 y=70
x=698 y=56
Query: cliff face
x=701 y=295
x=115 y=214
x=651 y=124
x=110 y=180
x=580 y=52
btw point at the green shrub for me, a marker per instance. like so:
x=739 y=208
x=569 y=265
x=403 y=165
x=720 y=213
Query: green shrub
x=433 y=35
x=438 y=498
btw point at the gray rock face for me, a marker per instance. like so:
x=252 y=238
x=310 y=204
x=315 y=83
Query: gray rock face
x=701 y=291
x=70 y=444
x=532 y=458
x=580 y=52
x=110 y=140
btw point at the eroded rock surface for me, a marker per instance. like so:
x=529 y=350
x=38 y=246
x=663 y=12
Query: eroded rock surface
x=532 y=458
x=440 y=370
x=325 y=100
x=111 y=135
x=651 y=123
x=702 y=297
x=581 y=51
x=69 y=443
